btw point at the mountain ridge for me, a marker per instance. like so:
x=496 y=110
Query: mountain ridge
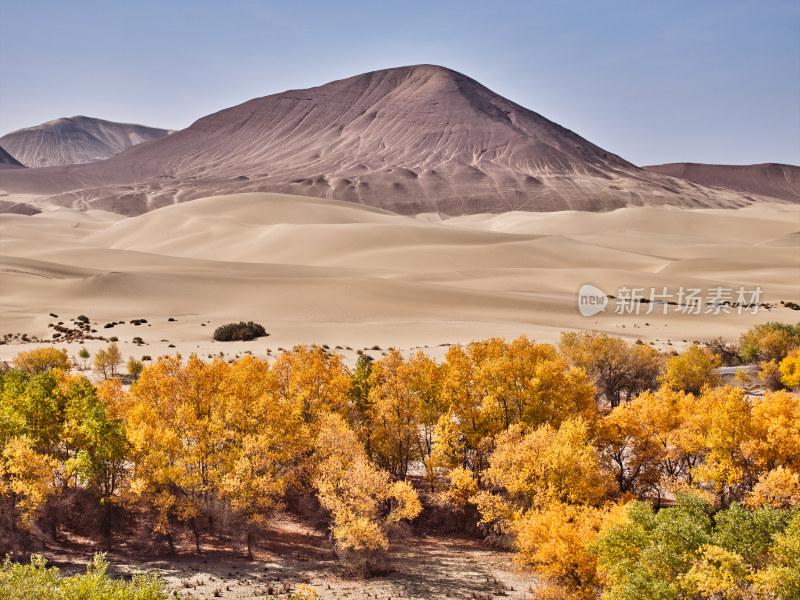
x=411 y=140
x=776 y=180
x=8 y=161
x=75 y=140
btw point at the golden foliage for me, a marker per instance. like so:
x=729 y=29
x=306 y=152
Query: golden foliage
x=778 y=488
x=717 y=573
x=619 y=370
x=549 y=465
x=555 y=540
x=463 y=486
x=692 y=370
x=357 y=494
x=27 y=476
x=491 y=385
x=790 y=370
x=42 y=359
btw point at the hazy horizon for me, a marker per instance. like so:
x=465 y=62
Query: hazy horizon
x=717 y=82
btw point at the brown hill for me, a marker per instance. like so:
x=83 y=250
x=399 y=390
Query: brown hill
x=768 y=179
x=74 y=141
x=6 y=160
x=410 y=140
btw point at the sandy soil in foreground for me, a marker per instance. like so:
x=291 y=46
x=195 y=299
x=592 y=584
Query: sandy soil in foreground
x=321 y=271
x=431 y=568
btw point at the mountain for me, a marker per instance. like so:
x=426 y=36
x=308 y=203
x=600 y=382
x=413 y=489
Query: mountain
x=74 y=141
x=768 y=179
x=411 y=140
x=6 y=160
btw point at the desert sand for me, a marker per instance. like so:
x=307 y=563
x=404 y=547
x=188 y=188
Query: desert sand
x=319 y=271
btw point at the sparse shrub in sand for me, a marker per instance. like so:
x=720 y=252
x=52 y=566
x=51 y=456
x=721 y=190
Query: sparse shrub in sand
x=42 y=359
x=243 y=332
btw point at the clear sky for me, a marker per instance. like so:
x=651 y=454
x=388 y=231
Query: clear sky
x=653 y=81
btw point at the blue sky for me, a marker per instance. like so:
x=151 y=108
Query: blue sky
x=704 y=81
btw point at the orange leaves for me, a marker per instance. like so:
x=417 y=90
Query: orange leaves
x=619 y=370
x=28 y=476
x=719 y=442
x=554 y=541
x=311 y=382
x=237 y=433
x=396 y=399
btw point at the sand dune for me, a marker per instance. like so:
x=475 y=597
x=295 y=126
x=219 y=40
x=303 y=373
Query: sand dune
x=75 y=140
x=323 y=271
x=419 y=139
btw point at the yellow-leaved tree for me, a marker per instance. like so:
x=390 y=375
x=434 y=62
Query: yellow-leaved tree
x=548 y=492
x=404 y=409
x=639 y=443
x=789 y=368
x=311 y=382
x=42 y=359
x=490 y=385
x=396 y=408
x=362 y=499
x=266 y=448
x=619 y=370
x=176 y=428
x=773 y=448
x=692 y=370
x=714 y=425
x=27 y=478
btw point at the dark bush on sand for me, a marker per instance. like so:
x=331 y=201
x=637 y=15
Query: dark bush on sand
x=241 y=331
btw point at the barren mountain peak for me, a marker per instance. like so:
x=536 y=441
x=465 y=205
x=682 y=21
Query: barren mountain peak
x=413 y=139
x=74 y=140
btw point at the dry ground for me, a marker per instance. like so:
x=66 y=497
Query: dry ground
x=429 y=568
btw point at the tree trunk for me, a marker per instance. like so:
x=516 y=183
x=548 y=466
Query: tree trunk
x=171 y=544
x=107 y=514
x=249 y=545
x=196 y=535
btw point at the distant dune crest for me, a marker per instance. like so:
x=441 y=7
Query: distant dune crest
x=419 y=139
x=75 y=140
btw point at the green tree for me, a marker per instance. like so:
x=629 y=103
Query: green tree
x=84 y=355
x=135 y=368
